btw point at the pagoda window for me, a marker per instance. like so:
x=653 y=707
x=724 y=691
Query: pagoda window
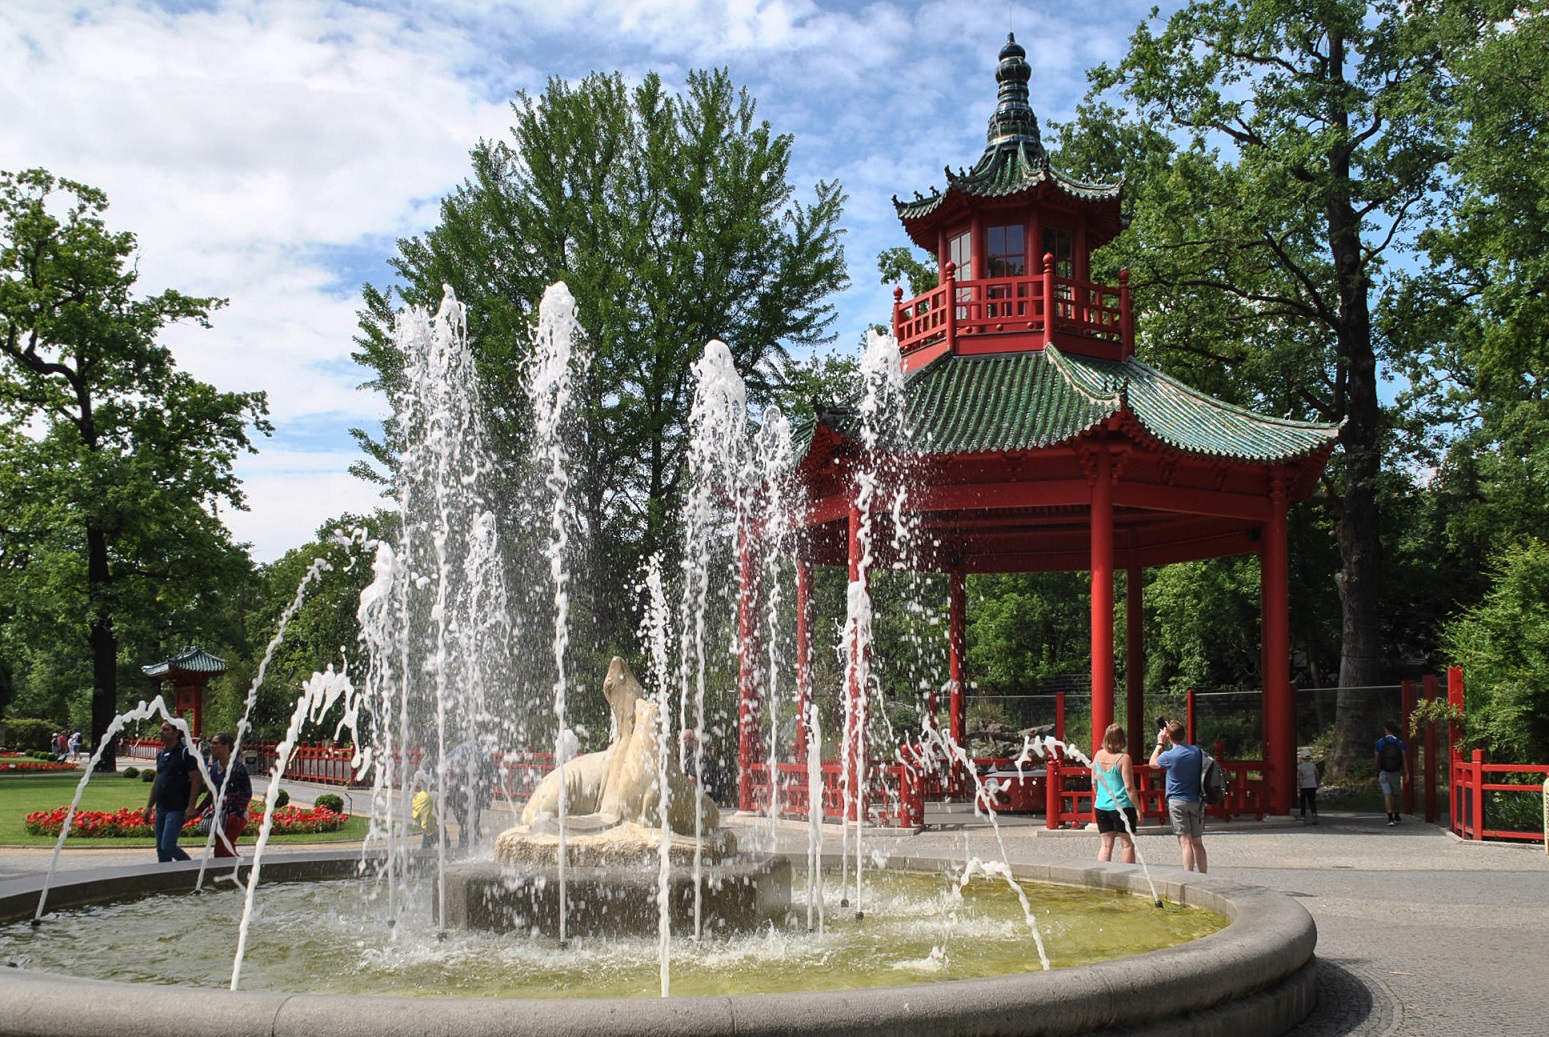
x=960 y=251
x=1006 y=256
x=1059 y=244
x=1006 y=252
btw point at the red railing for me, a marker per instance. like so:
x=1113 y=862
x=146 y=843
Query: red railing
x=894 y=795
x=1061 y=791
x=323 y=763
x=1470 y=782
x=955 y=309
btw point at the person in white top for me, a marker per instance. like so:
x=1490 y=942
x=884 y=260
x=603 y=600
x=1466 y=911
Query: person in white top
x=1307 y=781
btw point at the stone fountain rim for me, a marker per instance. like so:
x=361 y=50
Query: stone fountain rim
x=1256 y=976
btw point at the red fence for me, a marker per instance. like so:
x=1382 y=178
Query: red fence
x=1471 y=779
x=989 y=306
x=894 y=794
x=1062 y=791
x=516 y=773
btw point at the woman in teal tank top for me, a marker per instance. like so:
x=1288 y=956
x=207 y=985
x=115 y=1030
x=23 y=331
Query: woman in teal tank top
x=1113 y=782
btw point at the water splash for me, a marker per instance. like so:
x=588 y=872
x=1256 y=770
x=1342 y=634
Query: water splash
x=557 y=366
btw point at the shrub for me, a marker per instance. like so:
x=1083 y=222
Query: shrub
x=30 y=733
x=131 y=772
x=1503 y=646
x=147 y=775
x=330 y=801
x=281 y=799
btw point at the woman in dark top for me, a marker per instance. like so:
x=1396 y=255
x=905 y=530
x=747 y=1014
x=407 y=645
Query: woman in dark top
x=233 y=800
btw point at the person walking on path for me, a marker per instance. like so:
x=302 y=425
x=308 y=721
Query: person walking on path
x=229 y=800
x=1307 y=783
x=1185 y=765
x=1392 y=769
x=174 y=793
x=1113 y=780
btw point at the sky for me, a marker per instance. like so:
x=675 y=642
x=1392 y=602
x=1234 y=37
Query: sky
x=273 y=152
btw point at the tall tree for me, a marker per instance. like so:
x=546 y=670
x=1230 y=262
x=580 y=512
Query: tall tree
x=1310 y=145
x=672 y=220
x=114 y=461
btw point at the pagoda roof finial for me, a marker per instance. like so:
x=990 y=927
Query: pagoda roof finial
x=1013 y=119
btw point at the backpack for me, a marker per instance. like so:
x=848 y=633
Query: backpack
x=1392 y=755
x=1213 y=783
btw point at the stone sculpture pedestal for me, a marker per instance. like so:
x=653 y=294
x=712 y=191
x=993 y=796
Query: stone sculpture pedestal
x=611 y=880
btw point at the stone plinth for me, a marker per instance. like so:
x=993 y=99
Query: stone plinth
x=615 y=898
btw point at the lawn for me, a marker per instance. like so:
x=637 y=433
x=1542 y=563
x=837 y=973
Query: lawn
x=21 y=794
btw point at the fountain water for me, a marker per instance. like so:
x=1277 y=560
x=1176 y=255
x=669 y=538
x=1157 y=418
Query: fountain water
x=438 y=628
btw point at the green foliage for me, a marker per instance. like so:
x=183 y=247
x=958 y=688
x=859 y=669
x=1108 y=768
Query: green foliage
x=148 y=775
x=1503 y=646
x=130 y=772
x=323 y=629
x=113 y=463
x=331 y=801
x=1280 y=154
x=29 y=734
x=1204 y=628
x=672 y=220
x=1025 y=627
x=903 y=267
x=281 y=799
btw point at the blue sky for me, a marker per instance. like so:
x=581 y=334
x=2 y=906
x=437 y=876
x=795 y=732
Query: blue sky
x=272 y=151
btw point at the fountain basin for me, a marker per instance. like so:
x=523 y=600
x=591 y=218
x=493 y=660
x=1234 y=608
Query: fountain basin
x=1255 y=977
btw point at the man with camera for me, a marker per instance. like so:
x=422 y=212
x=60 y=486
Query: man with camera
x=1183 y=764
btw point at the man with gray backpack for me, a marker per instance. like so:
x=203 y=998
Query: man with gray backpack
x=1392 y=769
x=1185 y=768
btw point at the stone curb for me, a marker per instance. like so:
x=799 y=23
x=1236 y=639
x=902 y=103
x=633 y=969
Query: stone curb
x=1255 y=978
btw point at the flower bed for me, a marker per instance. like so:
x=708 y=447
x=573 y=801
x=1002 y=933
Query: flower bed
x=23 y=763
x=99 y=824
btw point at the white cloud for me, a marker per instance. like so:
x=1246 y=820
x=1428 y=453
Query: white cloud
x=270 y=151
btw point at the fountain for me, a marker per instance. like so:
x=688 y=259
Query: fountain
x=619 y=807
x=620 y=841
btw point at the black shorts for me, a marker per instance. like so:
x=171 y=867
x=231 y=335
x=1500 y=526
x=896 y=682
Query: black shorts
x=1108 y=820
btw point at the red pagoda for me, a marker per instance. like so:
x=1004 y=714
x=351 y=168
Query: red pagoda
x=1038 y=441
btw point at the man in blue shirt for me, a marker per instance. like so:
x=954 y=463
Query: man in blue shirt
x=1392 y=769
x=1183 y=764
x=173 y=796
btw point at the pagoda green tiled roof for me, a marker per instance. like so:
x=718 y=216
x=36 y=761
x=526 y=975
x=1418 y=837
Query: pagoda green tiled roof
x=192 y=659
x=1006 y=168
x=1014 y=159
x=1011 y=402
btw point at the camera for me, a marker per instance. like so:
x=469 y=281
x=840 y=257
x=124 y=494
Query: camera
x=1161 y=723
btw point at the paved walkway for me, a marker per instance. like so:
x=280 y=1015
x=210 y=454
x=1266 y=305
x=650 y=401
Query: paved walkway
x=1419 y=933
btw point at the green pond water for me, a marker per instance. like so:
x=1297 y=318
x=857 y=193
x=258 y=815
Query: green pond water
x=332 y=938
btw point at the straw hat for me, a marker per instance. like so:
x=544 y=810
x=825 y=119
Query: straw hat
x=1306 y=754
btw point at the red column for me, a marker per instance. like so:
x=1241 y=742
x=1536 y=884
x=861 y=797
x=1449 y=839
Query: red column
x=1407 y=696
x=1102 y=596
x=1135 y=667
x=803 y=657
x=749 y=704
x=1048 y=298
x=1279 y=705
x=854 y=693
x=1430 y=691
x=957 y=643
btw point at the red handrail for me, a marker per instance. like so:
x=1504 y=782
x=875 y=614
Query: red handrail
x=955 y=310
x=1470 y=783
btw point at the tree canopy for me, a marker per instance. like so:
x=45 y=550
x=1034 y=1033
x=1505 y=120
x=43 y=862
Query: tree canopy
x=113 y=463
x=672 y=220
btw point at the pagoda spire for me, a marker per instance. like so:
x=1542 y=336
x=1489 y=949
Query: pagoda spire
x=1013 y=119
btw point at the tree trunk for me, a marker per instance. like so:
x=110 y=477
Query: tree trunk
x=104 y=645
x=1360 y=540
